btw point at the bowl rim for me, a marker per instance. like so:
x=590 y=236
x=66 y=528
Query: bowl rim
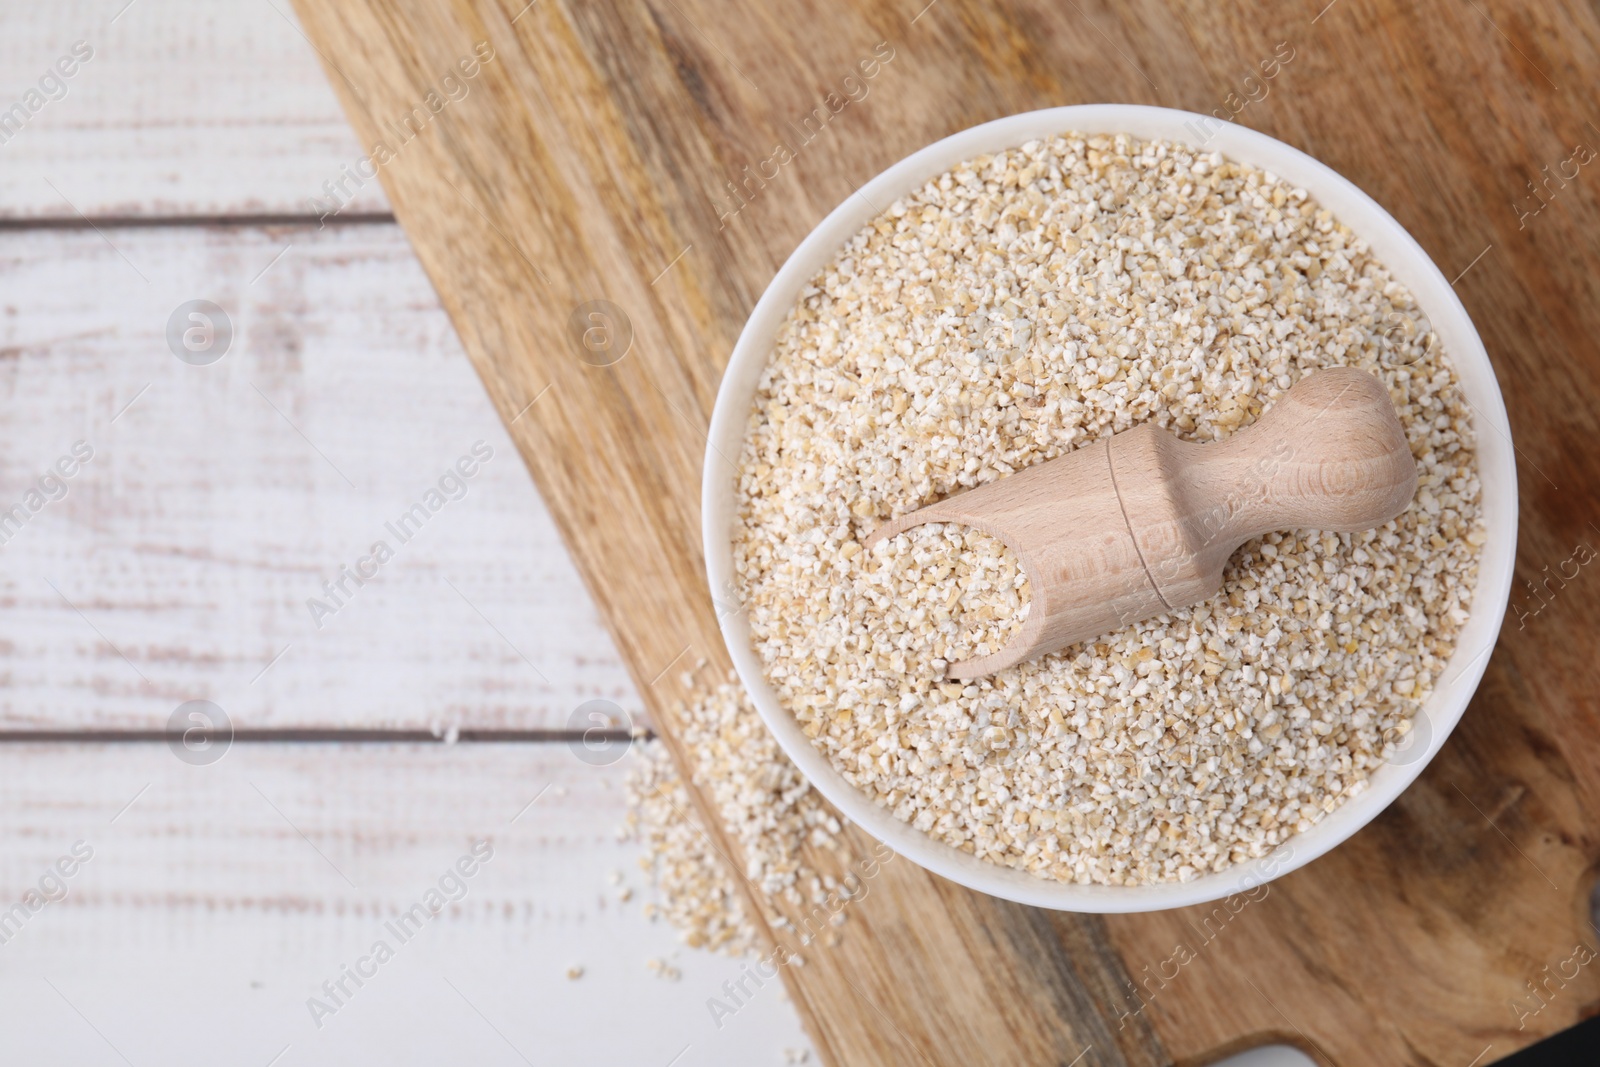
x=1390 y=243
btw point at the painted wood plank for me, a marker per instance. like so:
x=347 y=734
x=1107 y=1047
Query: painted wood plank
x=172 y=108
x=219 y=898
x=180 y=561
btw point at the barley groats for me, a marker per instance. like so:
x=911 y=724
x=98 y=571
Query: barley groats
x=1012 y=310
x=771 y=814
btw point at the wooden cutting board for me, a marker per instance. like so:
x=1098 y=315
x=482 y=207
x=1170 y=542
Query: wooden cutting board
x=590 y=159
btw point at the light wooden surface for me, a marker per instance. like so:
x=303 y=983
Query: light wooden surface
x=186 y=109
x=593 y=167
x=221 y=497
x=219 y=898
x=191 y=540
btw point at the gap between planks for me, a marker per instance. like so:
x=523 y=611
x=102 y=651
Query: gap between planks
x=154 y=222
x=330 y=735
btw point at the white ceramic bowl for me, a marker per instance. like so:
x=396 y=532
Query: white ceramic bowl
x=1406 y=261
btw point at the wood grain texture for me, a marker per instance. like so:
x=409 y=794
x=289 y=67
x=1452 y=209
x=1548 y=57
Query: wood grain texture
x=220 y=498
x=204 y=920
x=183 y=109
x=595 y=167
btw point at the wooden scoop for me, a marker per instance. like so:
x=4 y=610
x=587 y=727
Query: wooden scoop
x=1141 y=522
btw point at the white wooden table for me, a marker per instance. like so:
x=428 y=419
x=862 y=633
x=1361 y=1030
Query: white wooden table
x=226 y=896
x=220 y=896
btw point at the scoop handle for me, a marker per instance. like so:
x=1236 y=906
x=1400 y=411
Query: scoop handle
x=1330 y=454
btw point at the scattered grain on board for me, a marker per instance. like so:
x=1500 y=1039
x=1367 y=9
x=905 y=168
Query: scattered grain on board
x=696 y=890
x=769 y=810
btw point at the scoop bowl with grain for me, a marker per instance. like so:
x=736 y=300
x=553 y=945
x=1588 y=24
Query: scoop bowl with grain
x=1183 y=762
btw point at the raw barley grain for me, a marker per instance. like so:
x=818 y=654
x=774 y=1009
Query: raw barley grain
x=771 y=814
